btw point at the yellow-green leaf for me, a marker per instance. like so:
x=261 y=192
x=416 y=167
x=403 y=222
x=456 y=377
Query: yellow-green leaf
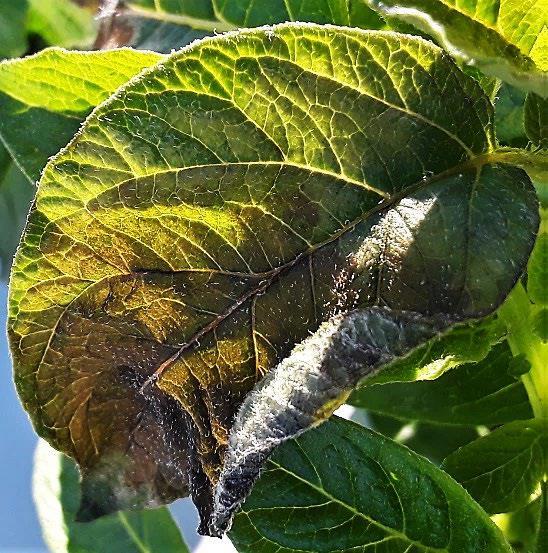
x=220 y=207
x=44 y=98
x=508 y=39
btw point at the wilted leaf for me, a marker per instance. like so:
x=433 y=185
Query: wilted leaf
x=57 y=496
x=503 y=469
x=474 y=393
x=507 y=39
x=44 y=98
x=344 y=488
x=217 y=210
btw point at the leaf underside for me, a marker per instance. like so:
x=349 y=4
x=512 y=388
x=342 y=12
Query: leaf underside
x=507 y=39
x=218 y=209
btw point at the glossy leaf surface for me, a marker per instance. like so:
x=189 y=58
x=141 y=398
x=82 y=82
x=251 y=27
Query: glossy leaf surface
x=344 y=488
x=193 y=213
x=503 y=469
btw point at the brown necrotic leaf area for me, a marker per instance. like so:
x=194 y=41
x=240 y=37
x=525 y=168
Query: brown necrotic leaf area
x=220 y=208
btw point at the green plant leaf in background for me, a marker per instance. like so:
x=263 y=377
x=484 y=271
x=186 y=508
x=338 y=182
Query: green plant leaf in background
x=509 y=115
x=507 y=39
x=536 y=119
x=222 y=15
x=481 y=393
x=342 y=487
x=166 y=25
x=503 y=469
x=520 y=527
x=464 y=344
x=57 y=491
x=541 y=544
x=12 y=28
x=433 y=441
x=61 y=23
x=44 y=98
x=191 y=214
x=16 y=194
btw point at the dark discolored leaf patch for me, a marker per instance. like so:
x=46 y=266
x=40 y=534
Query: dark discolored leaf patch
x=193 y=233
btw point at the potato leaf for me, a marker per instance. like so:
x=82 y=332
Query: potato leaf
x=246 y=180
x=165 y=25
x=509 y=116
x=342 y=487
x=60 y=22
x=16 y=194
x=481 y=393
x=503 y=469
x=44 y=98
x=536 y=119
x=223 y=15
x=507 y=39
x=465 y=343
x=12 y=28
x=57 y=491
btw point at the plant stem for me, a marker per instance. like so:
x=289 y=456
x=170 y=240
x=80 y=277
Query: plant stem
x=517 y=312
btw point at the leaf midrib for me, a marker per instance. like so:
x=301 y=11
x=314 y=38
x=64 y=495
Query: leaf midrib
x=353 y=510
x=271 y=275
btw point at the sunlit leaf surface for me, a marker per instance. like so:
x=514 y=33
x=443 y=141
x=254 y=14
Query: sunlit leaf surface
x=508 y=39
x=217 y=209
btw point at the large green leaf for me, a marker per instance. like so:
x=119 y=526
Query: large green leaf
x=12 y=28
x=56 y=494
x=16 y=194
x=503 y=469
x=344 y=488
x=246 y=180
x=474 y=393
x=44 y=98
x=506 y=38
